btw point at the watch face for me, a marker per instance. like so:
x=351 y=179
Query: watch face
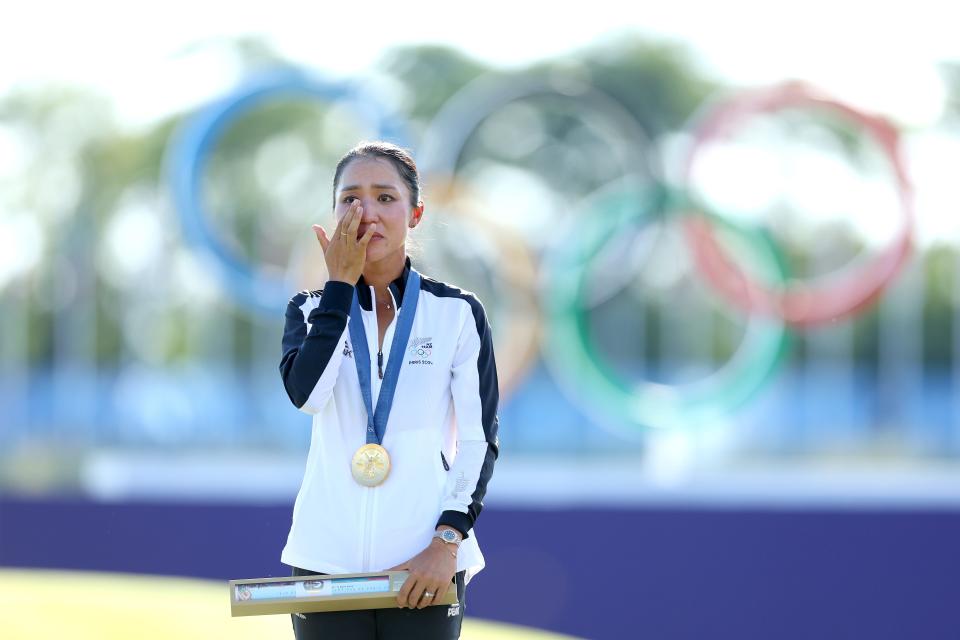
x=449 y=536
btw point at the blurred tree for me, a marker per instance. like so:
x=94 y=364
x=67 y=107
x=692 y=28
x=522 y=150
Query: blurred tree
x=431 y=74
x=658 y=82
x=939 y=304
x=950 y=72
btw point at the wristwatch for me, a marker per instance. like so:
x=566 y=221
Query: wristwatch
x=449 y=536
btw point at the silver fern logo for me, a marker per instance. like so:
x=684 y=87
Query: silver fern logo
x=420 y=348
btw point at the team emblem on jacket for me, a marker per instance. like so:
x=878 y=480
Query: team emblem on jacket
x=420 y=350
x=347 y=351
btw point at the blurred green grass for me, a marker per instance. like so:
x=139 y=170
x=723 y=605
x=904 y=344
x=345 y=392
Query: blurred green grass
x=41 y=604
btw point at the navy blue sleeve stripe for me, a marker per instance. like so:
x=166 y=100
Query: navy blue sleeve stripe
x=489 y=399
x=306 y=355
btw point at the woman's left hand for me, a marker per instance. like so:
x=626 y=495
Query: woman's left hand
x=431 y=572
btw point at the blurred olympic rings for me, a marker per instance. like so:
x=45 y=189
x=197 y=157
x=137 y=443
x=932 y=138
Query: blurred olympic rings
x=576 y=363
x=515 y=272
x=514 y=269
x=842 y=293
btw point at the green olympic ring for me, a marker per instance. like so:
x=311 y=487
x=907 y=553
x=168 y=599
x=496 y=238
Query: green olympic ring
x=583 y=374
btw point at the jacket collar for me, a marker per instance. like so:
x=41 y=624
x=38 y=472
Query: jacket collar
x=364 y=294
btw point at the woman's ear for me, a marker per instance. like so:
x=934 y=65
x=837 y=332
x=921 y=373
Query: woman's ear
x=417 y=215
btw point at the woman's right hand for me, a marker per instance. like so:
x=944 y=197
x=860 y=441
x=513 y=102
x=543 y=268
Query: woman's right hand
x=345 y=254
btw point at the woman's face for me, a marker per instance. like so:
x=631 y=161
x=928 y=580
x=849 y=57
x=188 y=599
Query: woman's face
x=375 y=184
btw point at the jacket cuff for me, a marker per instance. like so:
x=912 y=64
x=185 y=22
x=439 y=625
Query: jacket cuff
x=337 y=297
x=457 y=520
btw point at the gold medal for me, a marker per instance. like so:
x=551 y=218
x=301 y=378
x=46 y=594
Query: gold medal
x=370 y=465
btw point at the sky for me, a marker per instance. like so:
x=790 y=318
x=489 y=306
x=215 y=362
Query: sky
x=881 y=54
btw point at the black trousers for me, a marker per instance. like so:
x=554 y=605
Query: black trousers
x=440 y=622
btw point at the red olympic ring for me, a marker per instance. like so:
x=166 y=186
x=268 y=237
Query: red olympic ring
x=799 y=304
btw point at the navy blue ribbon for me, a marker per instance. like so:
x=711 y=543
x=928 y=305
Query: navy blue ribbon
x=377 y=420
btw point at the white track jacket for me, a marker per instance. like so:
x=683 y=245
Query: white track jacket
x=441 y=434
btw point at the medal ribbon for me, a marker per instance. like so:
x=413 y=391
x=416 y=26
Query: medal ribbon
x=377 y=420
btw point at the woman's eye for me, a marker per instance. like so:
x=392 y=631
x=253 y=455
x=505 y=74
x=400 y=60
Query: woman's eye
x=349 y=199
x=385 y=198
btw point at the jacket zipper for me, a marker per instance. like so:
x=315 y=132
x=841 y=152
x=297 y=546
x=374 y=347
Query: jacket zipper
x=367 y=517
x=373 y=295
x=371 y=493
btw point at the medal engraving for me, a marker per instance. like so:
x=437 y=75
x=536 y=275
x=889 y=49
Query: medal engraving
x=370 y=465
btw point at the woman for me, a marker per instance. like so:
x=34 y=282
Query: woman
x=399 y=374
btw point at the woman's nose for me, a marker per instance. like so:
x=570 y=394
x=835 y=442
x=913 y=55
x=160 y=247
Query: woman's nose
x=369 y=209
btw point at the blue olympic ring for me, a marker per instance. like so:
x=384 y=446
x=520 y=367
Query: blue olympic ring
x=195 y=140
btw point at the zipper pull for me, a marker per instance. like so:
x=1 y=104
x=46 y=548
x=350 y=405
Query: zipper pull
x=380 y=363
